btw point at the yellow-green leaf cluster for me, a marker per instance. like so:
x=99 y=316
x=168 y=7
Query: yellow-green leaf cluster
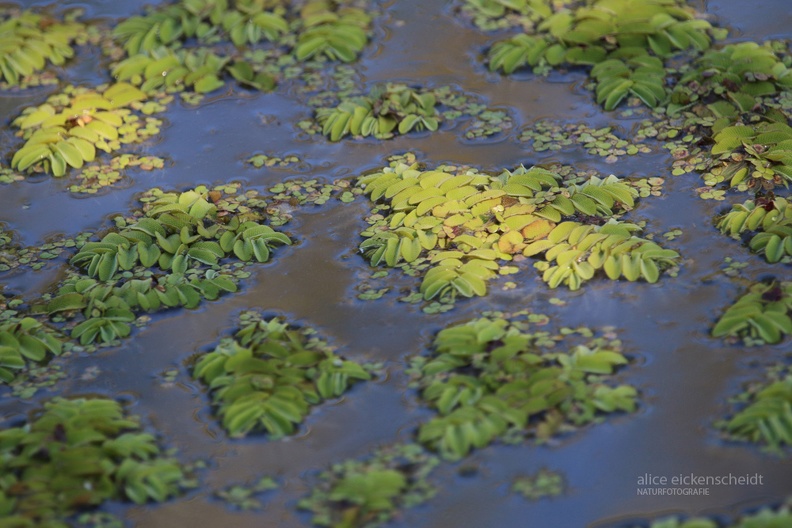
x=460 y=225
x=66 y=133
x=28 y=42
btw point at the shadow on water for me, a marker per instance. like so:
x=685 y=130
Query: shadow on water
x=684 y=376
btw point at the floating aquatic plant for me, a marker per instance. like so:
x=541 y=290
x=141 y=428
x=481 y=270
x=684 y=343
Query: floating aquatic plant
x=389 y=108
x=243 y=497
x=392 y=108
x=625 y=40
x=68 y=129
x=766 y=418
x=458 y=226
x=770 y=218
x=337 y=30
x=24 y=342
x=97 y=176
x=762 y=313
x=29 y=41
x=730 y=80
x=497 y=14
x=494 y=377
x=545 y=483
x=577 y=251
x=269 y=375
x=757 y=155
x=76 y=454
x=368 y=493
x=550 y=135
x=182 y=234
x=766 y=517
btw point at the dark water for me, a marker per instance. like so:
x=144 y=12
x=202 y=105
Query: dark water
x=684 y=376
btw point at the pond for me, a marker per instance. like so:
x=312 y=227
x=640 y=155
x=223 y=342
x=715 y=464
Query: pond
x=650 y=399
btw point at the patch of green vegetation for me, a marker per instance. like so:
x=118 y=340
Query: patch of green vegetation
x=185 y=235
x=29 y=42
x=24 y=342
x=290 y=194
x=264 y=160
x=269 y=375
x=770 y=218
x=498 y=377
x=455 y=227
x=767 y=517
x=489 y=15
x=765 y=416
x=95 y=177
x=544 y=483
x=244 y=497
x=67 y=130
x=77 y=454
x=729 y=80
x=761 y=314
x=370 y=492
x=12 y=256
x=386 y=109
x=391 y=109
x=317 y=29
x=548 y=135
x=754 y=157
x=625 y=41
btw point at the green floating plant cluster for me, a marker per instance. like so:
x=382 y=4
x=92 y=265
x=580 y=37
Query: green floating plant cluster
x=763 y=314
x=24 y=342
x=457 y=227
x=494 y=378
x=67 y=130
x=97 y=176
x=770 y=218
x=243 y=497
x=29 y=41
x=369 y=493
x=489 y=15
x=757 y=156
x=545 y=483
x=729 y=80
x=626 y=42
x=393 y=108
x=766 y=417
x=767 y=517
x=185 y=237
x=549 y=135
x=317 y=28
x=388 y=108
x=77 y=454
x=269 y=375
